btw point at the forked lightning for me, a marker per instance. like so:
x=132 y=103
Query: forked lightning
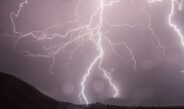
x=92 y=32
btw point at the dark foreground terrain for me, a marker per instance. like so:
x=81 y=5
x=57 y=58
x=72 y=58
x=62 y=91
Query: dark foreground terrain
x=16 y=94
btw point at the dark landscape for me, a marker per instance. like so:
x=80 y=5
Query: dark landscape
x=16 y=94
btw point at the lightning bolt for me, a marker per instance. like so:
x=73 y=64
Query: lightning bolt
x=16 y=15
x=171 y=14
x=96 y=37
x=92 y=31
x=99 y=58
x=174 y=26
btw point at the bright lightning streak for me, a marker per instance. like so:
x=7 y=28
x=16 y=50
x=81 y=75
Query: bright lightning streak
x=94 y=34
x=171 y=14
x=16 y=15
x=61 y=47
x=174 y=26
x=101 y=54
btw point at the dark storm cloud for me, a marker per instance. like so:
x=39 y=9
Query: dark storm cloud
x=157 y=79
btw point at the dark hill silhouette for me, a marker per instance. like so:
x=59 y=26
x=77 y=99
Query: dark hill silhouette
x=16 y=94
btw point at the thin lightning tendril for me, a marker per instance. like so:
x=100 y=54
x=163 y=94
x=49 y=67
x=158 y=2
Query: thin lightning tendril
x=92 y=33
x=174 y=26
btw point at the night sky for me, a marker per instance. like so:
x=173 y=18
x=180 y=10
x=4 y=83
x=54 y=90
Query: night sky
x=143 y=54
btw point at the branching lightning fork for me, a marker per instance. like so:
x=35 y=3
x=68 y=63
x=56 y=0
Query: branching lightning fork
x=174 y=26
x=99 y=58
x=92 y=33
